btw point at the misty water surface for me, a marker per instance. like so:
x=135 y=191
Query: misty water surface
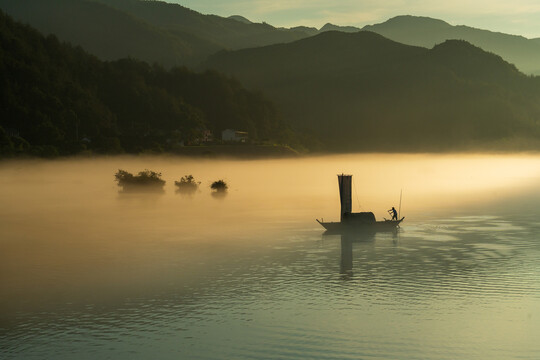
x=89 y=272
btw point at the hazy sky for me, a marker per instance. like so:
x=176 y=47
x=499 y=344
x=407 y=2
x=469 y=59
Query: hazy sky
x=520 y=17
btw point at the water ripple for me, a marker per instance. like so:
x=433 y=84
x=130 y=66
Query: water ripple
x=446 y=292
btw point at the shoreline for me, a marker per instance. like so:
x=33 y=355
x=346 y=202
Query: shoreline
x=207 y=151
x=241 y=151
x=262 y=152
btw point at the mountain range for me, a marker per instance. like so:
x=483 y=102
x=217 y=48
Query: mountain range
x=410 y=83
x=153 y=31
x=170 y=34
x=427 y=32
x=362 y=91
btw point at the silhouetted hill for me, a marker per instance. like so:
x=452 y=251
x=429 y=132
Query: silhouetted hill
x=227 y=33
x=470 y=62
x=241 y=19
x=152 y=31
x=308 y=30
x=361 y=91
x=108 y=33
x=321 y=56
x=332 y=27
x=57 y=99
x=424 y=31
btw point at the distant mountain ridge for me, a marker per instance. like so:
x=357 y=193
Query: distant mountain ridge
x=241 y=19
x=332 y=27
x=362 y=91
x=427 y=32
x=170 y=34
x=107 y=32
x=153 y=31
x=227 y=33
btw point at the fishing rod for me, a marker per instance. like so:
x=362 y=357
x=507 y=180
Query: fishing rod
x=399 y=210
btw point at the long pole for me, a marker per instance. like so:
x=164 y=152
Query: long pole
x=399 y=211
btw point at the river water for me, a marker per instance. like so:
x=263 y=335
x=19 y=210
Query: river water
x=88 y=272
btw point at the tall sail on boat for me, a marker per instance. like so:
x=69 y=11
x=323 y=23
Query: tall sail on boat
x=361 y=221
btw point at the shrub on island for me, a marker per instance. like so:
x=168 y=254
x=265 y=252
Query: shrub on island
x=146 y=180
x=187 y=184
x=219 y=186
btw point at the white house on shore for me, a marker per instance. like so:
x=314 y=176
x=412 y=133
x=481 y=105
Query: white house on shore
x=234 y=135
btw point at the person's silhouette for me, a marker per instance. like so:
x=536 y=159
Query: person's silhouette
x=394 y=213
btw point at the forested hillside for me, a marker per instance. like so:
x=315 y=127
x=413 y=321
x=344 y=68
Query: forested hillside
x=227 y=33
x=57 y=99
x=152 y=31
x=355 y=91
x=361 y=91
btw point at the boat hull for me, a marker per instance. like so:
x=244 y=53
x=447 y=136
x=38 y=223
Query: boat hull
x=348 y=227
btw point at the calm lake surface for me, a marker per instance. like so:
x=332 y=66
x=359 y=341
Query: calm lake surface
x=87 y=272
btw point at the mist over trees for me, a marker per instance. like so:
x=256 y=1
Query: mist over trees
x=57 y=99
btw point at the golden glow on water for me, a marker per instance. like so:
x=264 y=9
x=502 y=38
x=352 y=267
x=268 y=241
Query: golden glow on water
x=69 y=238
x=426 y=180
x=78 y=199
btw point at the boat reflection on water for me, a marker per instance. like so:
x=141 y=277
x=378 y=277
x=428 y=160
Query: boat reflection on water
x=347 y=241
x=346 y=265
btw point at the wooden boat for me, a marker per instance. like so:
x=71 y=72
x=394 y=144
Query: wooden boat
x=377 y=226
x=355 y=222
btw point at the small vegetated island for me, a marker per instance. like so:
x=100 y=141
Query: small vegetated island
x=219 y=186
x=187 y=185
x=146 y=180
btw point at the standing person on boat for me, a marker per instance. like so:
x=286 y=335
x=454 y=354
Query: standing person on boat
x=394 y=213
